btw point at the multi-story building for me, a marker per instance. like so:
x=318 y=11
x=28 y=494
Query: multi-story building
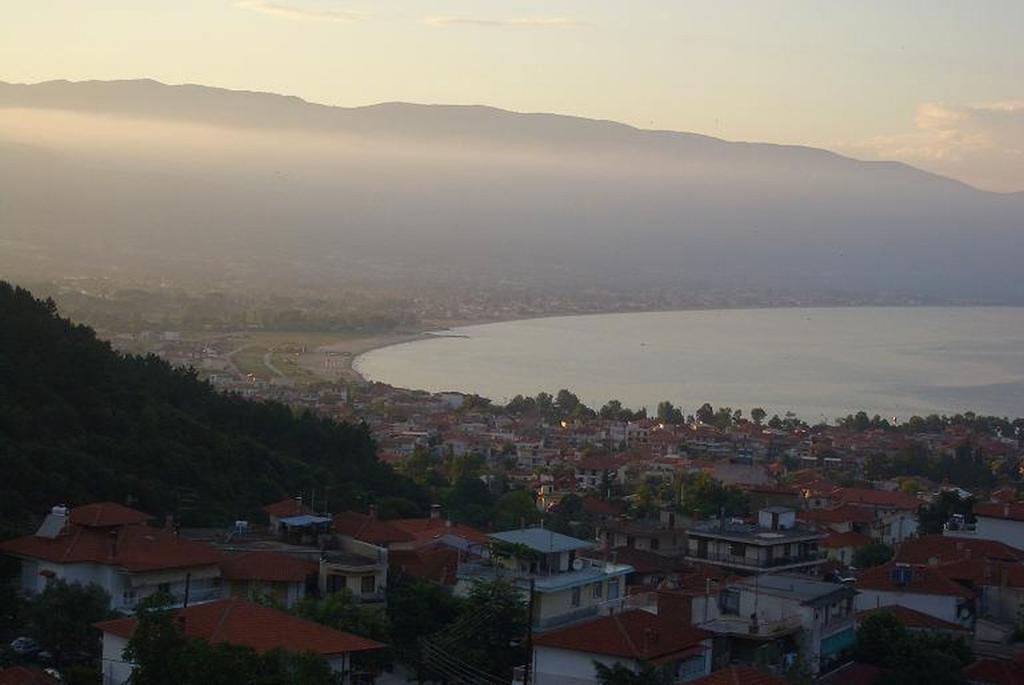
x=772 y=619
x=776 y=543
x=562 y=586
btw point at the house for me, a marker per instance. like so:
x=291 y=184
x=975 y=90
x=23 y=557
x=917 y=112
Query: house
x=934 y=550
x=769 y=619
x=1000 y=521
x=740 y=675
x=776 y=543
x=895 y=512
x=842 y=546
x=359 y=567
x=549 y=568
x=664 y=535
x=426 y=532
x=595 y=472
x=252 y=575
x=286 y=508
x=242 y=623
x=368 y=528
x=631 y=638
x=916 y=621
x=111 y=546
x=923 y=588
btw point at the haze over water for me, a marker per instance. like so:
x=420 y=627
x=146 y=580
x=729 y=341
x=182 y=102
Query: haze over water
x=815 y=362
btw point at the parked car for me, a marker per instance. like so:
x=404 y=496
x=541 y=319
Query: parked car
x=25 y=646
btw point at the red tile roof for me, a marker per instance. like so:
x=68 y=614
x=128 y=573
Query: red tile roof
x=369 y=529
x=913 y=619
x=985 y=572
x=845 y=513
x=634 y=634
x=601 y=507
x=438 y=564
x=1010 y=511
x=428 y=531
x=238 y=622
x=995 y=672
x=268 y=566
x=106 y=515
x=135 y=548
x=924 y=580
x=877 y=498
x=26 y=675
x=739 y=675
x=287 y=507
x=940 y=549
x=837 y=540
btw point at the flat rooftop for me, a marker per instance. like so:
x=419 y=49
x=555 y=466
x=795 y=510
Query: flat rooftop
x=754 y=534
x=541 y=540
x=796 y=587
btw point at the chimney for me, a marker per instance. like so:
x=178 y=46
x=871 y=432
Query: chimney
x=372 y=511
x=435 y=512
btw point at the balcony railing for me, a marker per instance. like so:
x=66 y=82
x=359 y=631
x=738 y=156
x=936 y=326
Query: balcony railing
x=737 y=625
x=774 y=562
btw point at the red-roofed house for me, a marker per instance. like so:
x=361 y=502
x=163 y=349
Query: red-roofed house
x=940 y=549
x=368 y=528
x=106 y=515
x=241 y=623
x=1000 y=521
x=841 y=546
x=130 y=561
x=292 y=506
x=629 y=638
x=917 y=621
x=923 y=588
x=895 y=512
x=267 y=574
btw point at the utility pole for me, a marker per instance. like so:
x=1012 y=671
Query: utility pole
x=528 y=671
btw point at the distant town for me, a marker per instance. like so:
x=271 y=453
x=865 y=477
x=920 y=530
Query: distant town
x=710 y=546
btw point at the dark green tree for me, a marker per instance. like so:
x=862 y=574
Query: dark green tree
x=620 y=674
x=872 y=554
x=61 y=618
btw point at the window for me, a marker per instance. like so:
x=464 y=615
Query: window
x=575 y=597
x=654 y=543
x=729 y=602
x=598 y=590
x=369 y=585
x=737 y=549
x=613 y=589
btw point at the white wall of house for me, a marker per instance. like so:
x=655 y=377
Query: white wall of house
x=939 y=606
x=553 y=666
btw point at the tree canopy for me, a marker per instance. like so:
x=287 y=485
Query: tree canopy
x=80 y=422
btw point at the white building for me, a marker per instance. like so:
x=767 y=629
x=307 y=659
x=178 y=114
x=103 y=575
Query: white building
x=111 y=546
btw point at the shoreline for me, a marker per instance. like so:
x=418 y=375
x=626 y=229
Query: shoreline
x=361 y=346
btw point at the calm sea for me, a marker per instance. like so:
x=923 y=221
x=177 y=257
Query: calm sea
x=814 y=362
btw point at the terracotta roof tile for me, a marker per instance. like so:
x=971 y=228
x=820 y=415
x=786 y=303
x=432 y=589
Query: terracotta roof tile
x=912 y=618
x=877 y=498
x=106 y=515
x=1010 y=511
x=369 y=529
x=135 y=548
x=940 y=549
x=925 y=580
x=426 y=531
x=243 y=623
x=268 y=566
x=287 y=507
x=631 y=634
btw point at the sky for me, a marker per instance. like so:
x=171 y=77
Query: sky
x=936 y=83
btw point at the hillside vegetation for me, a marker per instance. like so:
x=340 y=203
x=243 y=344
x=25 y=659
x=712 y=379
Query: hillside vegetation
x=80 y=422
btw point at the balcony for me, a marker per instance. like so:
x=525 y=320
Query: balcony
x=763 y=629
x=744 y=562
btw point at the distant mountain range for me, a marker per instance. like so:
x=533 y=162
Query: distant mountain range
x=197 y=181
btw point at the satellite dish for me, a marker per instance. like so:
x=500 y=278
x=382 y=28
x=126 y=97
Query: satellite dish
x=577 y=564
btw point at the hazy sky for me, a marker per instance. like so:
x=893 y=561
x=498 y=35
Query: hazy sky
x=936 y=83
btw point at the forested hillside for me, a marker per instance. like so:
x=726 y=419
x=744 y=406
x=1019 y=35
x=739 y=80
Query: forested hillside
x=80 y=422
